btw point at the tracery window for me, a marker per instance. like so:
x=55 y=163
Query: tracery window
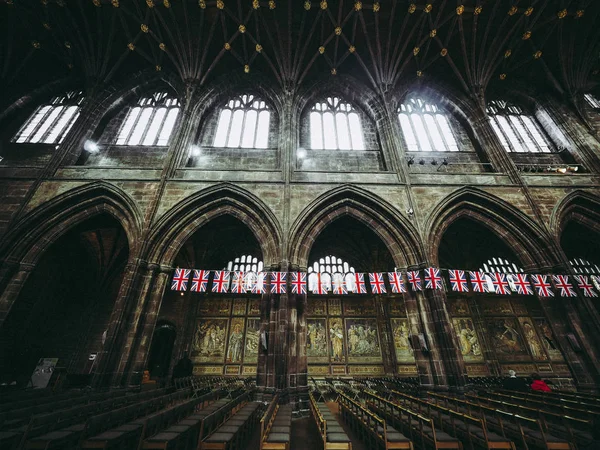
x=335 y=125
x=250 y=266
x=425 y=127
x=243 y=123
x=331 y=268
x=51 y=122
x=500 y=265
x=150 y=122
x=517 y=130
x=592 y=100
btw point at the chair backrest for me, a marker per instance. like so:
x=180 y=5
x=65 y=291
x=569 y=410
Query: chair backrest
x=268 y=418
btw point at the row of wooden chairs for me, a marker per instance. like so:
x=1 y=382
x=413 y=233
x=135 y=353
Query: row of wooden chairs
x=235 y=431
x=372 y=429
x=333 y=435
x=585 y=402
x=276 y=426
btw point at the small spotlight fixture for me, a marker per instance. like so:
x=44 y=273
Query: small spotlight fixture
x=91 y=146
x=411 y=161
x=301 y=153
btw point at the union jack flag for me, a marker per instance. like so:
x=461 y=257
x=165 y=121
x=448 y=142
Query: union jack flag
x=433 y=279
x=339 y=286
x=359 y=283
x=377 y=283
x=479 y=282
x=562 y=283
x=542 y=285
x=299 y=283
x=220 y=281
x=522 y=284
x=278 y=282
x=458 y=280
x=237 y=286
x=500 y=283
x=321 y=288
x=180 y=279
x=415 y=280
x=586 y=286
x=200 y=280
x=397 y=282
x=259 y=287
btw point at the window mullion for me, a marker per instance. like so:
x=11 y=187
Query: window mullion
x=412 y=125
x=347 y=119
x=54 y=124
x=516 y=132
x=427 y=132
x=148 y=125
x=441 y=132
x=258 y=111
x=322 y=130
x=134 y=124
x=335 y=129
x=40 y=123
x=229 y=127
x=243 y=126
x=511 y=146
x=531 y=136
x=161 y=126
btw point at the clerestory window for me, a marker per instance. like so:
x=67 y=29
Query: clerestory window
x=335 y=125
x=333 y=270
x=150 y=122
x=592 y=100
x=517 y=130
x=243 y=123
x=500 y=265
x=51 y=122
x=425 y=127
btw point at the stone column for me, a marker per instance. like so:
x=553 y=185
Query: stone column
x=420 y=323
x=298 y=362
x=387 y=338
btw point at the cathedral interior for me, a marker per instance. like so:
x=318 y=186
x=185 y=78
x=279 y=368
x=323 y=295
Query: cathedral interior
x=288 y=224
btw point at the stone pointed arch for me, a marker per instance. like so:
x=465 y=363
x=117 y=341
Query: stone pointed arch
x=40 y=228
x=579 y=206
x=528 y=241
x=179 y=223
x=398 y=234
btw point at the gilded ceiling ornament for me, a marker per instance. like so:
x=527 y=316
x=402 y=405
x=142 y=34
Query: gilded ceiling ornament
x=562 y=14
x=352 y=49
x=412 y=8
x=538 y=54
x=47 y=26
x=503 y=76
x=579 y=13
x=526 y=35
x=227 y=46
x=96 y=3
x=67 y=44
x=202 y=4
x=478 y=10
x=357 y=6
x=44 y=2
x=428 y=8
x=130 y=46
x=323 y=4
x=272 y=4
x=9 y=2
x=162 y=46
x=338 y=31
x=334 y=71
x=376 y=7
x=419 y=73
x=433 y=33
x=512 y=11
x=258 y=48
x=321 y=50
x=528 y=11
x=255 y=4
x=220 y=4
x=35 y=44
x=144 y=28
x=444 y=52
x=460 y=9
x=416 y=51
x=242 y=28
x=307 y=5
x=507 y=53
x=246 y=68
x=150 y=3
x=115 y=3
x=167 y=3
x=158 y=68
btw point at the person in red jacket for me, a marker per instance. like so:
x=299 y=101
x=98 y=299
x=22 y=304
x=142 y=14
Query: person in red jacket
x=538 y=384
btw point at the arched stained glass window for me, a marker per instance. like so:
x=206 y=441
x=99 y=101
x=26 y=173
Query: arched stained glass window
x=335 y=125
x=425 y=127
x=592 y=100
x=331 y=268
x=517 y=130
x=150 y=122
x=51 y=122
x=245 y=263
x=500 y=265
x=243 y=123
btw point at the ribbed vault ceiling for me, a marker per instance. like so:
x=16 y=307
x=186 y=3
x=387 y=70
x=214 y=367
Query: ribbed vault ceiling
x=470 y=44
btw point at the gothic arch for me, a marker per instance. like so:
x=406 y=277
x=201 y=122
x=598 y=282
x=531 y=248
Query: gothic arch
x=579 y=206
x=526 y=239
x=393 y=229
x=40 y=228
x=175 y=227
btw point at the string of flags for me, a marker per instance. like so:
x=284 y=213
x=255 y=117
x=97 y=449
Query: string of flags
x=224 y=281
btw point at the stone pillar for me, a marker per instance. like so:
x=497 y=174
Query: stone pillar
x=387 y=338
x=420 y=323
x=298 y=362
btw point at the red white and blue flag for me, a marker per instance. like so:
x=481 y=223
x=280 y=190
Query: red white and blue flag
x=278 y=282
x=321 y=287
x=200 y=280
x=377 y=283
x=479 y=282
x=338 y=284
x=359 y=283
x=522 y=284
x=298 y=282
x=500 y=283
x=397 y=282
x=542 y=285
x=458 y=280
x=433 y=279
x=562 y=283
x=238 y=286
x=586 y=286
x=415 y=280
x=259 y=287
x=220 y=281
x=180 y=279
